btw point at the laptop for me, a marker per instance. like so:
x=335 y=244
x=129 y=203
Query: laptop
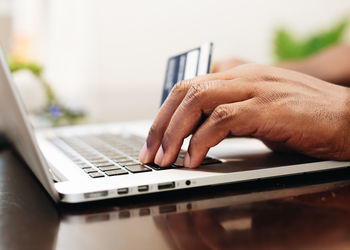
x=85 y=163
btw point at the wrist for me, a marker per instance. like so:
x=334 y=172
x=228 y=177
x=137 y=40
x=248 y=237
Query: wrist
x=345 y=133
x=299 y=66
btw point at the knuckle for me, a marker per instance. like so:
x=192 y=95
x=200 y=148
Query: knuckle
x=221 y=113
x=180 y=87
x=197 y=91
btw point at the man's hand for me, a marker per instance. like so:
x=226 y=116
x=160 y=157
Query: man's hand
x=331 y=64
x=281 y=107
x=227 y=64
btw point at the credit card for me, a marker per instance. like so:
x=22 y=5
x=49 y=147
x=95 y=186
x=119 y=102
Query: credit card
x=190 y=64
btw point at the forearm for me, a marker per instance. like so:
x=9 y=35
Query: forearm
x=331 y=65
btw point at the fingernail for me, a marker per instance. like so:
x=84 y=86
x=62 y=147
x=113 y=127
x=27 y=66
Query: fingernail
x=143 y=153
x=187 y=160
x=159 y=156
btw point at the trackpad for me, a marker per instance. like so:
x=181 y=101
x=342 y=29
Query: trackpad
x=242 y=154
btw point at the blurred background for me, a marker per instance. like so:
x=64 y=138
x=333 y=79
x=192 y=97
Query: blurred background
x=107 y=58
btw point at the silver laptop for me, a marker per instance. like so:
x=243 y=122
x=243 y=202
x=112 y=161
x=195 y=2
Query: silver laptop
x=93 y=162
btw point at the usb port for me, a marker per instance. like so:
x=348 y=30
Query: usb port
x=143 y=188
x=123 y=190
x=166 y=185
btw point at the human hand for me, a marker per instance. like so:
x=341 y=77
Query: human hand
x=227 y=64
x=331 y=65
x=281 y=107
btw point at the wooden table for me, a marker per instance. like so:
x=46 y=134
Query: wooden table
x=301 y=212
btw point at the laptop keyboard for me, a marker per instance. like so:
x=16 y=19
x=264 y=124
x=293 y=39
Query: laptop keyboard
x=106 y=155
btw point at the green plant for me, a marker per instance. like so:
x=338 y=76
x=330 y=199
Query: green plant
x=54 y=111
x=289 y=47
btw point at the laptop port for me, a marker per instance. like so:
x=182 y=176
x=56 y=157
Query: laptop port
x=123 y=190
x=166 y=185
x=143 y=188
x=95 y=194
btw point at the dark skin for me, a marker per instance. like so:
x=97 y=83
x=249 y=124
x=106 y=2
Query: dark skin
x=331 y=65
x=283 y=108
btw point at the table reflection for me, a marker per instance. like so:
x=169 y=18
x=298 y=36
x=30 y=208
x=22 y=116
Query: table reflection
x=299 y=217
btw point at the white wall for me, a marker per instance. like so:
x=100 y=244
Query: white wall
x=110 y=55
x=5 y=24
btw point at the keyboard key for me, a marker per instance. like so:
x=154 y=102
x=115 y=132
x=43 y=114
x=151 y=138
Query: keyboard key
x=179 y=163
x=115 y=172
x=182 y=156
x=84 y=165
x=89 y=170
x=94 y=159
x=117 y=158
x=156 y=167
x=125 y=163
x=125 y=160
x=114 y=156
x=108 y=152
x=106 y=168
x=138 y=168
x=104 y=164
x=132 y=163
x=96 y=175
x=99 y=161
x=87 y=167
x=100 y=150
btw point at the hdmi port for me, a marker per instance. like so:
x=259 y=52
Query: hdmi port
x=166 y=185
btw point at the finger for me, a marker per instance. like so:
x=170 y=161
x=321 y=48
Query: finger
x=240 y=119
x=201 y=99
x=165 y=113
